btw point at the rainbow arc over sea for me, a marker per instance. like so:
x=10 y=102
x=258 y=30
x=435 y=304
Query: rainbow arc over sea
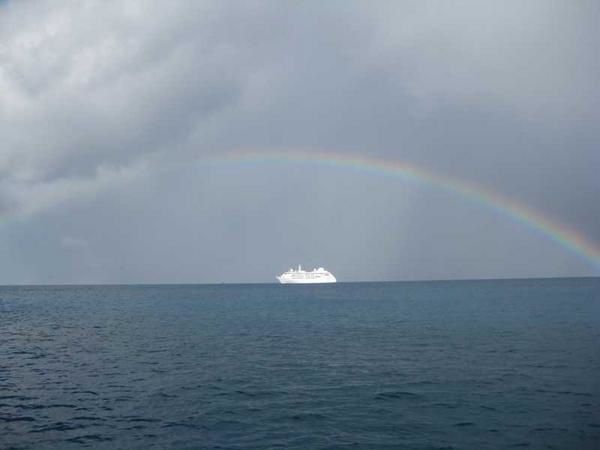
x=567 y=237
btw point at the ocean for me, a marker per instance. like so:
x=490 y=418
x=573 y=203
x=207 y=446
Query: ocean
x=410 y=365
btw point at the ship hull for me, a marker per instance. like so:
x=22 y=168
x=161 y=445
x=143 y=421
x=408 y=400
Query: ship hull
x=286 y=280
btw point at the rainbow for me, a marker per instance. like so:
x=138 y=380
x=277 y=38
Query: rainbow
x=567 y=237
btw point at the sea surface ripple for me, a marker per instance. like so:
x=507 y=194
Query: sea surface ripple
x=424 y=365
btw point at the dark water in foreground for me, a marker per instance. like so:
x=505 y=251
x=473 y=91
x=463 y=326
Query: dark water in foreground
x=462 y=365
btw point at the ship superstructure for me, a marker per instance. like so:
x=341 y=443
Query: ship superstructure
x=300 y=276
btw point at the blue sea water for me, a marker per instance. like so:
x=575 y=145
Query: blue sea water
x=423 y=365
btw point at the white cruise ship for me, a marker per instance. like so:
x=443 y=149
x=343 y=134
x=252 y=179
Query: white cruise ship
x=300 y=276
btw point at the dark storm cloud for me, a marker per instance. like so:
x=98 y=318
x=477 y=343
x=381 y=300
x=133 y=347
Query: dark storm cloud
x=103 y=99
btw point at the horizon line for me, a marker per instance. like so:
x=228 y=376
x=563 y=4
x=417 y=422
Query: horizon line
x=238 y=283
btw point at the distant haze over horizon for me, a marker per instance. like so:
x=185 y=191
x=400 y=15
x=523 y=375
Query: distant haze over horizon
x=117 y=118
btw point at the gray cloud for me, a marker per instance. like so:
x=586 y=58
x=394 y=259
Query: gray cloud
x=101 y=102
x=534 y=58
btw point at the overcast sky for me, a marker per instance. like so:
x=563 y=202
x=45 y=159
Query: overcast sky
x=109 y=110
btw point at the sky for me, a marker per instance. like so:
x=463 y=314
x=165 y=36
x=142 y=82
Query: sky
x=118 y=119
